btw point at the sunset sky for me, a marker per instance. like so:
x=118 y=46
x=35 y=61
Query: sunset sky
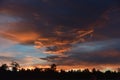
x=70 y=33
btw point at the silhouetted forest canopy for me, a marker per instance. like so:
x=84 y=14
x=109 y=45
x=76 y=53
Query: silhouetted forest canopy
x=17 y=73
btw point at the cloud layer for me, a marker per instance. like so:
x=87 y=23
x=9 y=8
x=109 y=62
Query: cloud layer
x=59 y=26
x=92 y=53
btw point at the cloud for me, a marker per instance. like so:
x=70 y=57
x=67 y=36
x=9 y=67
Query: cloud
x=23 y=61
x=90 y=54
x=7 y=59
x=98 y=59
x=54 y=25
x=30 y=61
x=108 y=28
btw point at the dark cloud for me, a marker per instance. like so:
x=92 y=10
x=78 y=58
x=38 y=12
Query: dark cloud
x=98 y=58
x=93 y=53
x=110 y=27
x=56 y=25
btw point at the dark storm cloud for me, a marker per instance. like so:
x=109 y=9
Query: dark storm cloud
x=54 y=24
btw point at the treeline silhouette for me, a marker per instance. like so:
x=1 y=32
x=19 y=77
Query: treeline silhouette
x=17 y=73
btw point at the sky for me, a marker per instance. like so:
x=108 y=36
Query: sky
x=70 y=33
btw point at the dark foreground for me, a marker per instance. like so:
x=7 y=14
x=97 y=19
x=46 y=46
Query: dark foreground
x=37 y=74
x=52 y=74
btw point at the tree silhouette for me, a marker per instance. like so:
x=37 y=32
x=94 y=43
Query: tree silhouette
x=118 y=69
x=15 y=66
x=4 y=67
x=38 y=69
x=53 y=67
x=51 y=74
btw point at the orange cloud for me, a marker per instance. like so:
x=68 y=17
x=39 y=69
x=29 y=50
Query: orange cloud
x=61 y=42
x=20 y=37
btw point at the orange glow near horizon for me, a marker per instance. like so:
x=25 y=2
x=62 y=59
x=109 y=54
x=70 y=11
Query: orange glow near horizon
x=81 y=68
